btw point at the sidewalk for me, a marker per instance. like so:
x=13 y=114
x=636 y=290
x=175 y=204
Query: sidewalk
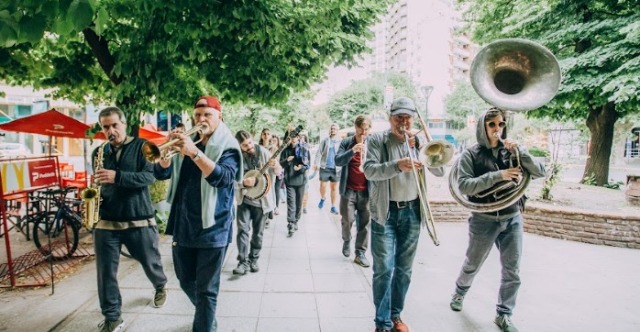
x=305 y=284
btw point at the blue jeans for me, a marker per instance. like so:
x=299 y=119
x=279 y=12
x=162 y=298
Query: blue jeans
x=198 y=270
x=507 y=236
x=393 y=247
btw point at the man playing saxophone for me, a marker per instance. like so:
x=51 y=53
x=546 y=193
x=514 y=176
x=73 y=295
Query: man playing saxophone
x=482 y=166
x=126 y=216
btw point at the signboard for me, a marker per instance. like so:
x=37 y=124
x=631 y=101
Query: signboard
x=28 y=174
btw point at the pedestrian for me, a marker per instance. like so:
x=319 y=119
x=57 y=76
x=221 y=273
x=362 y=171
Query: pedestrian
x=203 y=177
x=295 y=161
x=329 y=171
x=395 y=212
x=354 y=194
x=265 y=138
x=252 y=213
x=278 y=184
x=127 y=216
x=304 y=141
x=482 y=166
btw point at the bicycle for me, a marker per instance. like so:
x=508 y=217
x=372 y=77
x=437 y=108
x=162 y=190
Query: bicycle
x=19 y=216
x=58 y=229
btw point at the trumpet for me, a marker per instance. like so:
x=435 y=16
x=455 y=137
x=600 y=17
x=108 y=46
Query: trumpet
x=154 y=153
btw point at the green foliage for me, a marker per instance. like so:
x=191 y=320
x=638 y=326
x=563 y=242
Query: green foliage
x=538 y=152
x=159 y=190
x=462 y=102
x=553 y=175
x=591 y=181
x=367 y=97
x=157 y=55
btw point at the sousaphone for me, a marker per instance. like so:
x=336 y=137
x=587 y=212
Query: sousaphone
x=515 y=75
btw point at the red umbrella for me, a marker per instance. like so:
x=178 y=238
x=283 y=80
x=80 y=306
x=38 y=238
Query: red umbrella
x=150 y=133
x=50 y=123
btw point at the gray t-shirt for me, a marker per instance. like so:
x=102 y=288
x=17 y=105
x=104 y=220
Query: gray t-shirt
x=402 y=187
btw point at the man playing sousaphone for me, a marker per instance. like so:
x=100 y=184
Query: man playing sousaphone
x=253 y=212
x=481 y=167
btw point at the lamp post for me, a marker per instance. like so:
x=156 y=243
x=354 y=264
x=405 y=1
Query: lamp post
x=426 y=91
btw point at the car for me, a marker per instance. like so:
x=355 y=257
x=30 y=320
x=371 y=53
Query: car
x=14 y=150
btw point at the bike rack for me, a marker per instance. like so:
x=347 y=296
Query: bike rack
x=19 y=177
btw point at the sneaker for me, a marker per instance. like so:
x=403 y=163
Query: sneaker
x=253 y=265
x=381 y=330
x=334 y=210
x=276 y=212
x=505 y=324
x=321 y=204
x=345 y=248
x=399 y=325
x=266 y=224
x=456 y=302
x=304 y=210
x=160 y=298
x=291 y=230
x=242 y=268
x=295 y=226
x=361 y=260
x=111 y=325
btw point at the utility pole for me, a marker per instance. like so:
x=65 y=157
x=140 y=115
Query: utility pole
x=426 y=91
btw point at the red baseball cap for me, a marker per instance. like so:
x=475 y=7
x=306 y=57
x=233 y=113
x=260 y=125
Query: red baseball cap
x=211 y=102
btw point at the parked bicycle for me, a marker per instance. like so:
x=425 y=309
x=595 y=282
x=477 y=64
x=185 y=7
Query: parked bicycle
x=56 y=233
x=20 y=217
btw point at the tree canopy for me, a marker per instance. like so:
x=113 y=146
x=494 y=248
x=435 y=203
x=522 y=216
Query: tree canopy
x=597 y=43
x=146 y=55
x=367 y=97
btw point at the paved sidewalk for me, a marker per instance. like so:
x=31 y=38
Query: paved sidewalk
x=305 y=284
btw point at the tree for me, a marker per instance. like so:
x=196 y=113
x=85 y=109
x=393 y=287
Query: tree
x=148 y=55
x=367 y=97
x=597 y=43
x=462 y=102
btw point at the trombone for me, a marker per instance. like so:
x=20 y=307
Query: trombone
x=154 y=153
x=438 y=154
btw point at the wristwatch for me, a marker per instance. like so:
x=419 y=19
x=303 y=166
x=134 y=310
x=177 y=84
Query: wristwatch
x=197 y=155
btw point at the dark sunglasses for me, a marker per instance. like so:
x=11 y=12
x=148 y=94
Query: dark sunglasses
x=500 y=124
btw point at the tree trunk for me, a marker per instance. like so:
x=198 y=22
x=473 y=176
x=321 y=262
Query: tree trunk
x=600 y=122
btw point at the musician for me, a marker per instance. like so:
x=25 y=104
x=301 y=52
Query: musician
x=481 y=167
x=252 y=213
x=329 y=171
x=354 y=195
x=295 y=161
x=395 y=212
x=126 y=216
x=203 y=178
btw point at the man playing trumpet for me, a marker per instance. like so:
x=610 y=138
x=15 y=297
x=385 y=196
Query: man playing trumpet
x=395 y=211
x=481 y=167
x=203 y=178
x=354 y=194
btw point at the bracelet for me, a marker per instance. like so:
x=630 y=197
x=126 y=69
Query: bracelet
x=197 y=156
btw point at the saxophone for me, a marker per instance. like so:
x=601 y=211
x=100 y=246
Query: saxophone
x=91 y=195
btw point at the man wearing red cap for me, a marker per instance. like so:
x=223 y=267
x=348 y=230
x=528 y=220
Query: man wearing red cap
x=202 y=206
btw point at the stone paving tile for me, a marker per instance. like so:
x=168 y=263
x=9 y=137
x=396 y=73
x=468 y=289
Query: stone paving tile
x=288 y=325
x=338 y=282
x=334 y=324
x=344 y=305
x=289 y=282
x=239 y=304
x=288 y=305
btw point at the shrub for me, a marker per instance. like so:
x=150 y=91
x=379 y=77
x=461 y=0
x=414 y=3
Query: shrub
x=538 y=152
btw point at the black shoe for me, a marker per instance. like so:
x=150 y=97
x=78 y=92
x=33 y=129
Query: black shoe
x=304 y=210
x=361 y=260
x=253 y=265
x=291 y=230
x=242 y=268
x=345 y=248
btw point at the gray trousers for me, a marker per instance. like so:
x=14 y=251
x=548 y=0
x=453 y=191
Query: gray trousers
x=250 y=221
x=507 y=236
x=354 y=207
x=143 y=245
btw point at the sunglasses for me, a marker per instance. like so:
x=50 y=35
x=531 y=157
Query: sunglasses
x=500 y=124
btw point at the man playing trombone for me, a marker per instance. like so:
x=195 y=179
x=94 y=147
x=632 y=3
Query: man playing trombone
x=481 y=167
x=395 y=211
x=354 y=194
